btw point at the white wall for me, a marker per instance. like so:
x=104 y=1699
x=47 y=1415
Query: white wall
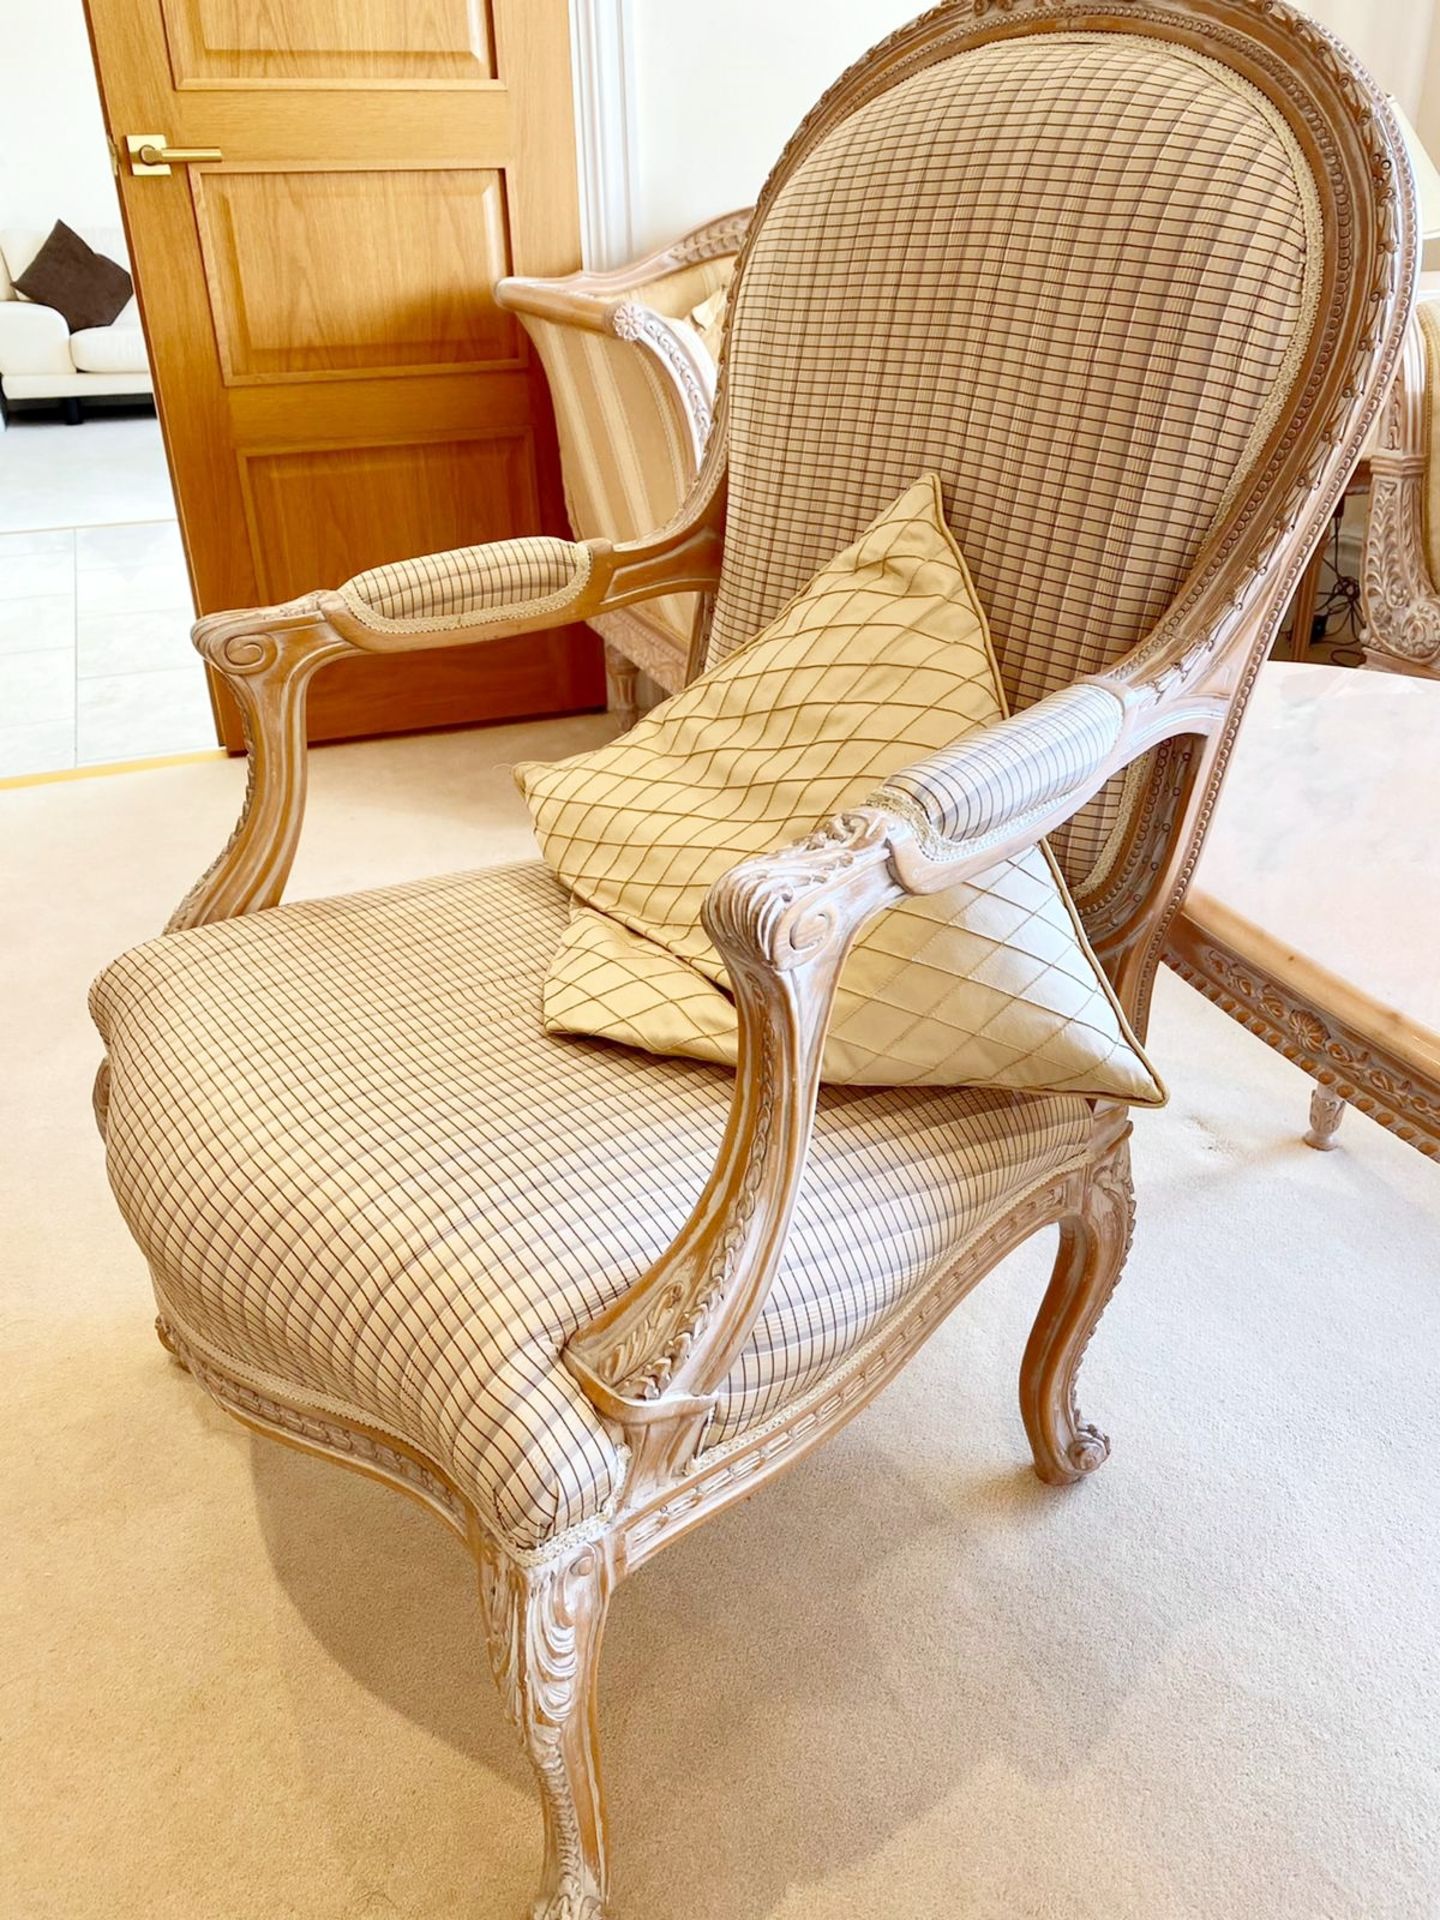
x=54 y=164
x=719 y=88
x=1392 y=37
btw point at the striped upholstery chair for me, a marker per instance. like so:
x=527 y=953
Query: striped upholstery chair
x=1132 y=281
x=630 y=357
x=1400 y=572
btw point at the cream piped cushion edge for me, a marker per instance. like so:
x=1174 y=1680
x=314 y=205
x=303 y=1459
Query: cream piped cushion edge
x=883 y=658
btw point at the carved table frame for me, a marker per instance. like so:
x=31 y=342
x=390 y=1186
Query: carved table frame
x=1359 y=1053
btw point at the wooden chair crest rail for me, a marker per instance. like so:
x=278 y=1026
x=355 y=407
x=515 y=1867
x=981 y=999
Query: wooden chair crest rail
x=1204 y=409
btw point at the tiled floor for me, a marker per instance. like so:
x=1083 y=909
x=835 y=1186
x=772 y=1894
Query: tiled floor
x=95 y=656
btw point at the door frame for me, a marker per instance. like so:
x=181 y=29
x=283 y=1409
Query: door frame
x=602 y=42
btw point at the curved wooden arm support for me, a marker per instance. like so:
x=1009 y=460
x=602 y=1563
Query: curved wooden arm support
x=784 y=923
x=267 y=659
x=1400 y=600
x=268 y=656
x=681 y=558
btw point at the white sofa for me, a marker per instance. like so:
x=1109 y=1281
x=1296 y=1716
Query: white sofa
x=40 y=359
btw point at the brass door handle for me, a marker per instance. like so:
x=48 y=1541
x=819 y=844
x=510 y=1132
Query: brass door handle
x=149 y=154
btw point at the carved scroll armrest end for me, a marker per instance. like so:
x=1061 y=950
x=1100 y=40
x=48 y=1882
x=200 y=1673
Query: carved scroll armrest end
x=266 y=657
x=781 y=911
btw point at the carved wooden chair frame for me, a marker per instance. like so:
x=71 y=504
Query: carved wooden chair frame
x=614 y=303
x=1401 y=600
x=653 y=1363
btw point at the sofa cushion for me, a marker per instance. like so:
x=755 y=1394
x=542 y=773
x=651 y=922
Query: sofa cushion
x=89 y=288
x=117 y=349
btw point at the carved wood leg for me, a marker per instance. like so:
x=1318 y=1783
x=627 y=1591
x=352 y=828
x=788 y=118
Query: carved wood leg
x=544 y=1626
x=1094 y=1241
x=621 y=679
x=1327 y=1110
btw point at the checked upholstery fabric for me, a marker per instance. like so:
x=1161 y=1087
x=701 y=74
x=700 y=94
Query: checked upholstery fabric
x=505 y=580
x=883 y=659
x=1086 y=328
x=363 y=1173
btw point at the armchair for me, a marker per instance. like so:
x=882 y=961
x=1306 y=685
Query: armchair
x=576 y=1299
x=632 y=378
x=1400 y=572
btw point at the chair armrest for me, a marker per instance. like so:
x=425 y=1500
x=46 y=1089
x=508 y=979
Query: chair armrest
x=784 y=924
x=33 y=339
x=1003 y=773
x=267 y=657
x=505 y=583
x=589 y=299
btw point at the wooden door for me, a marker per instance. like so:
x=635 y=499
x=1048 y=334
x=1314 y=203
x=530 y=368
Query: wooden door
x=336 y=385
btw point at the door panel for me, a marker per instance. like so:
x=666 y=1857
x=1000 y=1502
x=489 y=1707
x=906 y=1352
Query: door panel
x=314 y=506
x=421 y=248
x=214 y=41
x=337 y=386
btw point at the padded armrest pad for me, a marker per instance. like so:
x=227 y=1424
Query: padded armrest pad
x=1004 y=772
x=471 y=586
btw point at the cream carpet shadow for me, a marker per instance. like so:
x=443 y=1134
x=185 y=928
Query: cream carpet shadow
x=907 y=1680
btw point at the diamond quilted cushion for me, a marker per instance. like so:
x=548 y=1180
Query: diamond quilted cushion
x=883 y=658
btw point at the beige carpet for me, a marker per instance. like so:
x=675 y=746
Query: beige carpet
x=236 y=1684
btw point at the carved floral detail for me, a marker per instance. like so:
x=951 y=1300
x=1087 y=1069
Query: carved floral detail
x=632 y=321
x=1110 y=1219
x=1402 y=608
x=779 y=906
x=542 y=1628
x=713 y=241
x=645 y=1361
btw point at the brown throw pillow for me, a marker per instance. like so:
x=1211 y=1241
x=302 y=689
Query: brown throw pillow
x=67 y=274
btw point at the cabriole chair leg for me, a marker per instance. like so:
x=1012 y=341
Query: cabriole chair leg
x=1094 y=1241
x=544 y=1626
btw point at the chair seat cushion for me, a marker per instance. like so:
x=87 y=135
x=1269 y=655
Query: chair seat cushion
x=368 y=1182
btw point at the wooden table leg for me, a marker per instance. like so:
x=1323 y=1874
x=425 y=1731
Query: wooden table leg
x=1327 y=1110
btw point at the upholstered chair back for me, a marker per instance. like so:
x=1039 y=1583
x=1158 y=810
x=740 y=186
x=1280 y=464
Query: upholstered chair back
x=1075 y=271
